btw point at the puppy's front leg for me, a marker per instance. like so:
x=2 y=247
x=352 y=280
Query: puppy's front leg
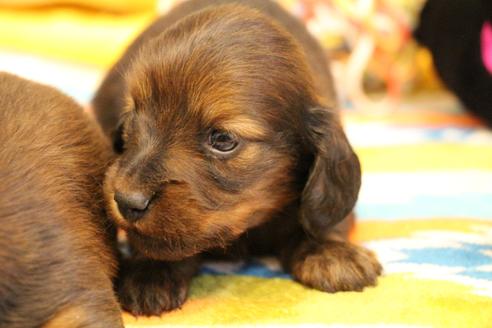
x=149 y=287
x=332 y=266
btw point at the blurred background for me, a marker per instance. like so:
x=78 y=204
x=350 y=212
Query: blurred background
x=71 y=43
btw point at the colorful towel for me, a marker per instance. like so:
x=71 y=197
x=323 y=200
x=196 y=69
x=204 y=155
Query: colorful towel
x=425 y=208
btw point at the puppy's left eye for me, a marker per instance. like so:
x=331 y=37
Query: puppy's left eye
x=222 y=141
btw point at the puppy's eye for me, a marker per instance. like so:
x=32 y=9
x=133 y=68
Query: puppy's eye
x=222 y=141
x=118 y=140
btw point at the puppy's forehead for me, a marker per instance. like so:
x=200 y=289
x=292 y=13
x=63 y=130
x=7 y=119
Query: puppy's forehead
x=227 y=68
x=208 y=108
x=242 y=125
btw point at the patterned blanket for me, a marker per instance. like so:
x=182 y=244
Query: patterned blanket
x=425 y=208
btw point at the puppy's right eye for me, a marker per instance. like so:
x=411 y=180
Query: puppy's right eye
x=118 y=140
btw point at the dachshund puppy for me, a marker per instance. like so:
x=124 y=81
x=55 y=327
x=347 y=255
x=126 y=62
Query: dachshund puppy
x=56 y=253
x=223 y=112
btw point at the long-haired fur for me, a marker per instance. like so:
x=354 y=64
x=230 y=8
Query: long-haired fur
x=56 y=250
x=223 y=113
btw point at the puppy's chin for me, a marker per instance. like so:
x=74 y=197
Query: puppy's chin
x=154 y=247
x=150 y=238
x=161 y=249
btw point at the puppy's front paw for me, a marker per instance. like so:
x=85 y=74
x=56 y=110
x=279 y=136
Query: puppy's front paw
x=147 y=287
x=335 y=266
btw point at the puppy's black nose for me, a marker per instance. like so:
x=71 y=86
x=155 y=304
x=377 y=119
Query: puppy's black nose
x=132 y=205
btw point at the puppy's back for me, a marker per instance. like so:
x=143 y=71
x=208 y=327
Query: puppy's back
x=55 y=254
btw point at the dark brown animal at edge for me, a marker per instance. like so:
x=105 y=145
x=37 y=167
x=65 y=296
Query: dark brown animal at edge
x=223 y=115
x=57 y=256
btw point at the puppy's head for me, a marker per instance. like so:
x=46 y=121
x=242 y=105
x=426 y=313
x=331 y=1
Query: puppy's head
x=222 y=131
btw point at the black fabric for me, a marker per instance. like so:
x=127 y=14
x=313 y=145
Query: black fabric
x=451 y=30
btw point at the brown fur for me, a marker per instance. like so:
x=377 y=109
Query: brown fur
x=212 y=65
x=56 y=253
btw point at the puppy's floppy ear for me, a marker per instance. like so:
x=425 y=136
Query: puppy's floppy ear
x=334 y=179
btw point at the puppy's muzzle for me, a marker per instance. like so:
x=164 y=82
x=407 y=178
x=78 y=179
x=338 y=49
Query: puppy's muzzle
x=132 y=205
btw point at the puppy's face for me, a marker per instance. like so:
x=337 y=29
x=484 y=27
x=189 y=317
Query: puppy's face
x=212 y=138
x=207 y=179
